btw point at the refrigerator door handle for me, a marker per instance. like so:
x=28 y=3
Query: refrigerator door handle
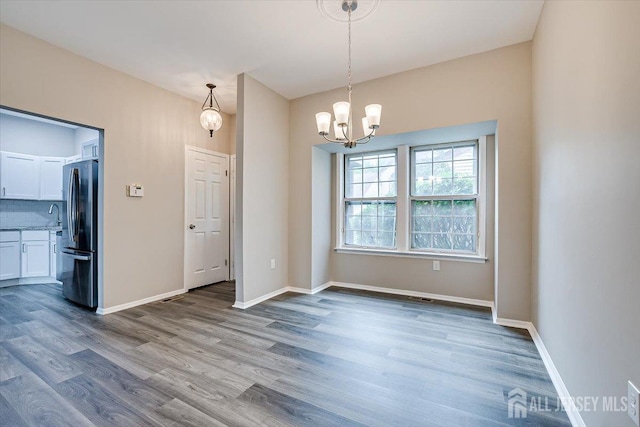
x=77 y=257
x=70 y=204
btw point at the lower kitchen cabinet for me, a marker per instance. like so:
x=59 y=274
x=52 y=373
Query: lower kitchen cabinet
x=35 y=253
x=9 y=260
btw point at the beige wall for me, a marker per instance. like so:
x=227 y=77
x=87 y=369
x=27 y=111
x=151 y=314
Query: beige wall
x=586 y=188
x=145 y=131
x=494 y=85
x=262 y=189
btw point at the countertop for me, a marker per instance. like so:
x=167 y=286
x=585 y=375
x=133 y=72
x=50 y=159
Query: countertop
x=50 y=228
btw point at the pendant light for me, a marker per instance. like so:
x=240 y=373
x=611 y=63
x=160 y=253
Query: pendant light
x=210 y=118
x=343 y=123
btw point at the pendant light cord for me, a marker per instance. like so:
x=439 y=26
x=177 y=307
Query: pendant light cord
x=349 y=75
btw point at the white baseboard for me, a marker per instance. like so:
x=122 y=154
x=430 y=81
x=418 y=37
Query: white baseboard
x=561 y=388
x=245 y=305
x=142 y=301
x=448 y=298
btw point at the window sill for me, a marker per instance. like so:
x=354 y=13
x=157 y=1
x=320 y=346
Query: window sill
x=424 y=255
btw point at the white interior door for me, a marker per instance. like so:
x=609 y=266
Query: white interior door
x=207 y=217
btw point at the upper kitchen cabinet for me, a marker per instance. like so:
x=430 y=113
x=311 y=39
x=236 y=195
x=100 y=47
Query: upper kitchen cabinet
x=51 y=178
x=20 y=176
x=90 y=149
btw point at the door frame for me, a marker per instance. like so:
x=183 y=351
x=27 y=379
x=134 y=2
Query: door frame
x=188 y=148
x=232 y=213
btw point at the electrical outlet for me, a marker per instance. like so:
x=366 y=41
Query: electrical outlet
x=273 y=263
x=436 y=265
x=633 y=403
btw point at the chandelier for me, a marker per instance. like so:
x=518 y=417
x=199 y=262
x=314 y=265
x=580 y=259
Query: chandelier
x=343 y=123
x=210 y=118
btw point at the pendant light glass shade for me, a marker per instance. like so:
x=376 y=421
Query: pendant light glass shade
x=323 y=121
x=341 y=111
x=373 y=112
x=210 y=119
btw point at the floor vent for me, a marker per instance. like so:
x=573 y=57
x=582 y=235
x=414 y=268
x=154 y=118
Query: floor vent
x=171 y=299
x=421 y=299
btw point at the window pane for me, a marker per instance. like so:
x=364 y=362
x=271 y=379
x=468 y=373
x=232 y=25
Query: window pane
x=354 y=176
x=464 y=224
x=387 y=189
x=370 y=223
x=442 y=186
x=423 y=156
x=464 y=242
x=421 y=207
x=387 y=160
x=371 y=161
x=354 y=190
x=442 y=170
x=464 y=207
x=464 y=186
x=448 y=225
x=441 y=241
x=464 y=153
x=464 y=169
x=421 y=241
x=387 y=173
x=370 y=189
x=370 y=175
x=442 y=154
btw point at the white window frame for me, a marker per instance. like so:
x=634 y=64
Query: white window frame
x=403 y=208
x=345 y=200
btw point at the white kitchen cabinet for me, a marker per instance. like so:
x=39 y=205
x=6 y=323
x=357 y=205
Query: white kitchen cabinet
x=9 y=255
x=51 y=178
x=53 y=254
x=90 y=149
x=73 y=159
x=35 y=253
x=19 y=176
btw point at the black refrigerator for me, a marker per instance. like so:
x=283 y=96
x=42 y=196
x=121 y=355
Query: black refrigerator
x=77 y=261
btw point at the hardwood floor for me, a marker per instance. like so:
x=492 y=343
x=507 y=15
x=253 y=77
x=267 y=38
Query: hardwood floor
x=339 y=357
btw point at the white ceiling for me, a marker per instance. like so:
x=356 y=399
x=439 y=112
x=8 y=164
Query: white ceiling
x=287 y=45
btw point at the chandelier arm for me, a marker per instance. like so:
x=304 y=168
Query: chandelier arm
x=337 y=141
x=344 y=133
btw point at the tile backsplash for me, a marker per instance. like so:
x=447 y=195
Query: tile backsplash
x=28 y=213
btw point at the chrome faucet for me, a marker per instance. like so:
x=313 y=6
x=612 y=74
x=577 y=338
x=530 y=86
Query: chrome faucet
x=53 y=205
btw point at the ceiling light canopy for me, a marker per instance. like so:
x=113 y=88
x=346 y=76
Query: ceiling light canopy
x=210 y=118
x=343 y=123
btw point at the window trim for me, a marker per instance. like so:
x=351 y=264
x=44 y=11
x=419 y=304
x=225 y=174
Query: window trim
x=403 y=208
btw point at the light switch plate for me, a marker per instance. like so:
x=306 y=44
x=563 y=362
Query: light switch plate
x=436 y=265
x=273 y=264
x=135 y=190
x=633 y=403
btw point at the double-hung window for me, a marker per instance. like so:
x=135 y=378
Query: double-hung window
x=444 y=198
x=370 y=197
x=419 y=200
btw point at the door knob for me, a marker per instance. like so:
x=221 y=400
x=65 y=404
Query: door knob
x=191 y=226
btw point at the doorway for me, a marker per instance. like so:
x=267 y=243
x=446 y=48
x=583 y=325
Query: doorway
x=206 y=255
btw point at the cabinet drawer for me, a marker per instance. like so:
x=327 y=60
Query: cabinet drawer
x=9 y=236
x=30 y=235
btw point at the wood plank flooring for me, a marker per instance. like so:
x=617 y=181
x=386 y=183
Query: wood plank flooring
x=337 y=358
